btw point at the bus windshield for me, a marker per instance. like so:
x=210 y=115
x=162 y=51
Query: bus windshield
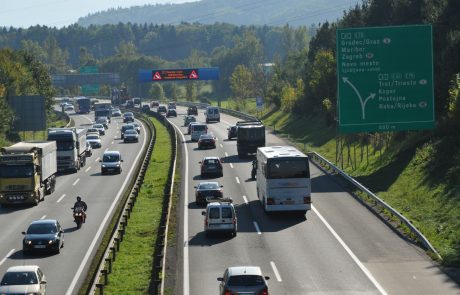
x=288 y=168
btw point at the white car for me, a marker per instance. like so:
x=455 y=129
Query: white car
x=24 y=279
x=100 y=128
x=220 y=217
x=94 y=140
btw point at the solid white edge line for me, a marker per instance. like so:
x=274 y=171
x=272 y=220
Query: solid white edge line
x=221 y=145
x=60 y=199
x=245 y=199
x=101 y=228
x=106 y=150
x=43 y=217
x=7 y=256
x=76 y=181
x=237 y=179
x=257 y=228
x=352 y=255
x=231 y=165
x=275 y=270
x=87 y=169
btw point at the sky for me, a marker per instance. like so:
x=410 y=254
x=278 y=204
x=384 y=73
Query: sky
x=59 y=13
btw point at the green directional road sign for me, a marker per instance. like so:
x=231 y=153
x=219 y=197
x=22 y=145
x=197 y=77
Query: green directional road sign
x=385 y=78
x=89 y=89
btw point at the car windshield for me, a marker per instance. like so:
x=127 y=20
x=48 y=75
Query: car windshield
x=211 y=162
x=91 y=130
x=41 y=229
x=92 y=136
x=126 y=127
x=245 y=280
x=131 y=132
x=209 y=185
x=98 y=126
x=110 y=158
x=19 y=278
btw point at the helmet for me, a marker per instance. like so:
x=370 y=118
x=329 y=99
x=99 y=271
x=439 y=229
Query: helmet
x=78 y=198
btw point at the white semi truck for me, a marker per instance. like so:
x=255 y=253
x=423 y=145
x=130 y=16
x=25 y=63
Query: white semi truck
x=71 y=147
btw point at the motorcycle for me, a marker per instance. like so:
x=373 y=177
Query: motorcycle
x=78 y=215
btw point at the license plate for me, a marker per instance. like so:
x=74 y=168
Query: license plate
x=40 y=246
x=211 y=167
x=288 y=202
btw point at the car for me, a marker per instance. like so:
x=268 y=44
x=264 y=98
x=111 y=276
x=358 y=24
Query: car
x=193 y=110
x=104 y=121
x=89 y=149
x=188 y=119
x=243 y=280
x=92 y=130
x=206 y=191
x=131 y=135
x=130 y=104
x=207 y=140
x=116 y=113
x=24 y=279
x=171 y=113
x=162 y=110
x=189 y=127
x=171 y=105
x=125 y=127
x=111 y=162
x=154 y=103
x=94 y=140
x=128 y=117
x=100 y=128
x=44 y=235
x=145 y=107
x=69 y=107
x=220 y=217
x=211 y=166
x=231 y=132
x=137 y=127
x=212 y=114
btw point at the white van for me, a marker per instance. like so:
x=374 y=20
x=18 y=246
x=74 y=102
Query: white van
x=220 y=217
x=197 y=129
x=212 y=114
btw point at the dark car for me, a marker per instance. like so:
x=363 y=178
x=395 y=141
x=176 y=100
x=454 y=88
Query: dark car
x=131 y=135
x=161 y=109
x=208 y=191
x=211 y=166
x=231 y=132
x=130 y=104
x=45 y=235
x=126 y=127
x=171 y=113
x=193 y=110
x=128 y=117
x=207 y=141
x=145 y=108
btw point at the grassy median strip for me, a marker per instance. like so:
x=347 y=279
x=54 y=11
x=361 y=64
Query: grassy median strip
x=131 y=271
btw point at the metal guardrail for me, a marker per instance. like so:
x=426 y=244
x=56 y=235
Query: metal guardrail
x=321 y=161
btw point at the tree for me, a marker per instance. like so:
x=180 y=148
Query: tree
x=156 y=91
x=241 y=85
x=190 y=91
x=126 y=49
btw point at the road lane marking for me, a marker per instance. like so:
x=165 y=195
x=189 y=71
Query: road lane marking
x=87 y=169
x=60 y=199
x=7 y=256
x=112 y=142
x=76 y=181
x=97 y=159
x=231 y=165
x=257 y=228
x=43 y=217
x=237 y=180
x=275 y=270
x=352 y=255
x=106 y=150
x=226 y=154
x=115 y=137
x=245 y=199
x=221 y=145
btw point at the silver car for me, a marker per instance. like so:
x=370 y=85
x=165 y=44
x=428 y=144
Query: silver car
x=100 y=128
x=131 y=135
x=94 y=140
x=111 y=162
x=24 y=279
x=243 y=280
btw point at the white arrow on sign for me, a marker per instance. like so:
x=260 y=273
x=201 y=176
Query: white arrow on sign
x=363 y=103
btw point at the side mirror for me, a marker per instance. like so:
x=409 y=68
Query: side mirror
x=203 y=213
x=23 y=232
x=267 y=278
x=42 y=282
x=100 y=161
x=220 y=279
x=222 y=160
x=221 y=186
x=194 y=186
x=121 y=161
x=200 y=162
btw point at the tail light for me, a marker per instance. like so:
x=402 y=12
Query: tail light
x=270 y=201
x=227 y=292
x=264 y=292
x=206 y=222
x=234 y=220
x=307 y=200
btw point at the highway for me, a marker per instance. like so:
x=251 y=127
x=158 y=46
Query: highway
x=339 y=247
x=65 y=271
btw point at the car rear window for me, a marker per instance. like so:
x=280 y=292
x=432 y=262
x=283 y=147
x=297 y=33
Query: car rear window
x=208 y=186
x=199 y=127
x=227 y=212
x=214 y=213
x=245 y=280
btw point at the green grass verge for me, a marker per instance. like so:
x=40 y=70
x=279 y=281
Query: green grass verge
x=132 y=269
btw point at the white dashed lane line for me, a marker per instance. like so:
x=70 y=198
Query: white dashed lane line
x=87 y=169
x=257 y=228
x=245 y=200
x=231 y=165
x=226 y=154
x=221 y=145
x=7 y=256
x=43 y=217
x=76 y=181
x=97 y=160
x=60 y=199
x=237 y=180
x=275 y=270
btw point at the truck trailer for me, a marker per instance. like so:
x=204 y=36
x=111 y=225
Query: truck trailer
x=71 y=147
x=103 y=109
x=27 y=172
x=250 y=136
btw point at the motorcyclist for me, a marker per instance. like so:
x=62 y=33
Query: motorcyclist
x=254 y=169
x=80 y=203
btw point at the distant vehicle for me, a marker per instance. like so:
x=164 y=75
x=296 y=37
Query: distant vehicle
x=250 y=135
x=162 y=109
x=131 y=135
x=243 y=280
x=71 y=147
x=208 y=191
x=154 y=104
x=193 y=110
x=92 y=130
x=211 y=166
x=283 y=180
x=212 y=114
x=69 y=108
x=82 y=105
x=171 y=105
x=103 y=109
x=126 y=127
x=207 y=141
x=128 y=117
x=145 y=107
x=100 y=128
x=197 y=129
x=130 y=104
x=137 y=127
x=104 y=121
x=89 y=149
x=24 y=279
x=44 y=235
x=111 y=162
x=189 y=127
x=188 y=119
x=116 y=113
x=137 y=101
x=171 y=113
x=220 y=217
x=94 y=140
x=231 y=132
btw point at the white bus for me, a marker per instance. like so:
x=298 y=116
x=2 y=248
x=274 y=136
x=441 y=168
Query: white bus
x=283 y=179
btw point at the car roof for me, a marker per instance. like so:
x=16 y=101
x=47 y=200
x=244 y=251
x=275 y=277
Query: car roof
x=128 y=113
x=131 y=131
x=21 y=268
x=208 y=182
x=98 y=125
x=208 y=135
x=244 y=270
x=44 y=221
x=211 y=158
x=111 y=153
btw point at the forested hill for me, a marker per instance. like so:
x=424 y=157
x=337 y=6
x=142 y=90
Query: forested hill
x=238 y=12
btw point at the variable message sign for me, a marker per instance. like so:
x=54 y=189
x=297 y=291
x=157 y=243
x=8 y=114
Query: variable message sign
x=165 y=75
x=385 y=78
